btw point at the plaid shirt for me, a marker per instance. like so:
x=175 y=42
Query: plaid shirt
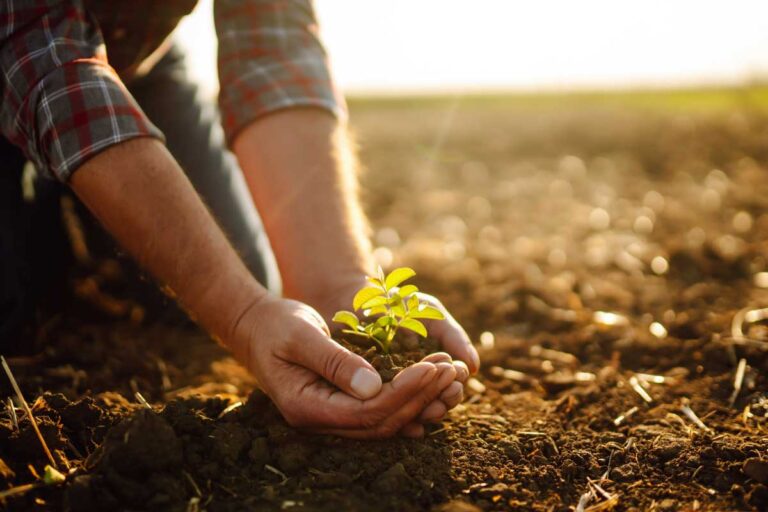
x=63 y=63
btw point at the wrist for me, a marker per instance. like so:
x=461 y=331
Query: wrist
x=228 y=299
x=335 y=294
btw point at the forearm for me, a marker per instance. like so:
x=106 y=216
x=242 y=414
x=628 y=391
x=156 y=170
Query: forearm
x=143 y=199
x=302 y=176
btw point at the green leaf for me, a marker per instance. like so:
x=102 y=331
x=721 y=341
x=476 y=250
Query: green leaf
x=398 y=309
x=425 y=311
x=372 y=303
x=384 y=320
x=53 y=476
x=413 y=303
x=398 y=275
x=407 y=290
x=365 y=295
x=378 y=310
x=415 y=326
x=375 y=282
x=347 y=318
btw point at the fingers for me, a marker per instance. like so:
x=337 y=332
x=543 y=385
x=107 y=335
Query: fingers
x=449 y=398
x=462 y=372
x=453 y=395
x=314 y=350
x=433 y=412
x=317 y=405
x=452 y=336
x=405 y=415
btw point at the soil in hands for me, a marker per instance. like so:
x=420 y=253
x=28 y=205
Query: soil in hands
x=578 y=274
x=406 y=349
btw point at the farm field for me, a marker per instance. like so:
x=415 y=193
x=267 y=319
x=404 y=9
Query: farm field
x=608 y=253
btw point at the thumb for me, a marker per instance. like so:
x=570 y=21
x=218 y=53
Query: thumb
x=348 y=371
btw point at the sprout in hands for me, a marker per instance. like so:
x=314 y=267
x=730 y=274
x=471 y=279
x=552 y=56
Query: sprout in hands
x=388 y=306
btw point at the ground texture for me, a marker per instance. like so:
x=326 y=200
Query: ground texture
x=608 y=259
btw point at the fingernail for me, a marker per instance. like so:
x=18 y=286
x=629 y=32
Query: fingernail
x=475 y=359
x=365 y=383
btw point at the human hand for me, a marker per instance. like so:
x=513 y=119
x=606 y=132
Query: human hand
x=319 y=385
x=448 y=332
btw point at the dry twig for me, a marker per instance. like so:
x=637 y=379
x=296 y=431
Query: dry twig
x=686 y=409
x=25 y=405
x=747 y=315
x=623 y=416
x=640 y=390
x=143 y=401
x=738 y=381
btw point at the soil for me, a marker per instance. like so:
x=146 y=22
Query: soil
x=406 y=349
x=591 y=251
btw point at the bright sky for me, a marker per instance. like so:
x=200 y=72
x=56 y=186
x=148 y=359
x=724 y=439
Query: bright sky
x=413 y=45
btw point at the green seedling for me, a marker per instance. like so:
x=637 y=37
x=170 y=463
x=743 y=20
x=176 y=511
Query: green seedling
x=388 y=306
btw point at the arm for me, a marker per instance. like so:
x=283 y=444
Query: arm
x=308 y=202
x=141 y=196
x=302 y=174
x=297 y=161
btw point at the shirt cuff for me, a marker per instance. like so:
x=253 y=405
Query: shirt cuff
x=77 y=111
x=263 y=87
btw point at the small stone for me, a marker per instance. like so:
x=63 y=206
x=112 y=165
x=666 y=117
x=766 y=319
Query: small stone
x=756 y=469
x=458 y=506
x=558 y=381
x=229 y=440
x=259 y=452
x=668 y=504
x=392 y=480
x=292 y=457
x=758 y=497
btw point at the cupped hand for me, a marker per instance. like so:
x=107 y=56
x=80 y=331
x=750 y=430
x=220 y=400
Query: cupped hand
x=319 y=385
x=458 y=350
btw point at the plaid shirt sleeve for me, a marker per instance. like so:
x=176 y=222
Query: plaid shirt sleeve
x=270 y=58
x=62 y=102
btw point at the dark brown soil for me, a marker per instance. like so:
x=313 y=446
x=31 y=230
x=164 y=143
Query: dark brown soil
x=574 y=274
x=406 y=349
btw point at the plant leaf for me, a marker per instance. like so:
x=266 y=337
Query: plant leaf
x=407 y=290
x=398 y=275
x=365 y=295
x=53 y=476
x=415 y=326
x=424 y=311
x=413 y=303
x=375 y=301
x=398 y=309
x=378 y=310
x=347 y=318
x=375 y=282
x=384 y=320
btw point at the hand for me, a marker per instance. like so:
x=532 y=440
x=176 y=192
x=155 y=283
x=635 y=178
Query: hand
x=459 y=350
x=319 y=385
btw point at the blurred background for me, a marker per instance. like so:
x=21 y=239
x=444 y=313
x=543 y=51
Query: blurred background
x=402 y=46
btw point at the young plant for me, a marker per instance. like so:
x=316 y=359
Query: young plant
x=388 y=306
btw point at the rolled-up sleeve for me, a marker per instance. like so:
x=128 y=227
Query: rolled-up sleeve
x=270 y=57
x=62 y=102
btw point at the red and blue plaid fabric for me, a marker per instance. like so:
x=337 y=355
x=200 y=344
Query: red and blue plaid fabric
x=64 y=62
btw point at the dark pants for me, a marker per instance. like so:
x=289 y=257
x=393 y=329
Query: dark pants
x=32 y=246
